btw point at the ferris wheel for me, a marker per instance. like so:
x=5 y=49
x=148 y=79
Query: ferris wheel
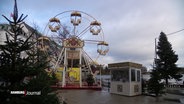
x=74 y=40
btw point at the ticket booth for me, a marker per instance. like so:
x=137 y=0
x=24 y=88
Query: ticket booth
x=125 y=78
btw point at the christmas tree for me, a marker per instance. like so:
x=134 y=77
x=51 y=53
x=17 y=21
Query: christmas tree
x=166 y=62
x=22 y=67
x=165 y=66
x=155 y=86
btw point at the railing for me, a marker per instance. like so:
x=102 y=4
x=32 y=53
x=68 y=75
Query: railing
x=174 y=86
x=106 y=85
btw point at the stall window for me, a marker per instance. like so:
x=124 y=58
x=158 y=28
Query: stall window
x=138 y=76
x=133 y=74
x=120 y=75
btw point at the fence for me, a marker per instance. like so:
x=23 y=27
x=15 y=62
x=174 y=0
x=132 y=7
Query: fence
x=174 y=86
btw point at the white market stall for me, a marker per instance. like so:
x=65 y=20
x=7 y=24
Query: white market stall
x=125 y=78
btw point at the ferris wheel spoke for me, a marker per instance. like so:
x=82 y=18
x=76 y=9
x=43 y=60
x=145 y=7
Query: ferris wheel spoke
x=62 y=33
x=84 y=31
x=74 y=31
x=97 y=57
x=93 y=41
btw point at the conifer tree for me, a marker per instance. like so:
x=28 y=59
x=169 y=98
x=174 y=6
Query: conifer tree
x=166 y=62
x=165 y=66
x=155 y=86
x=19 y=59
x=90 y=80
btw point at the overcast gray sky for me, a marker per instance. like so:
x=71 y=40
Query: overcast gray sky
x=130 y=26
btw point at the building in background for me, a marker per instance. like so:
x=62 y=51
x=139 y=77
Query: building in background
x=28 y=30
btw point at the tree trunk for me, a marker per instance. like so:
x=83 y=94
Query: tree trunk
x=166 y=81
x=157 y=98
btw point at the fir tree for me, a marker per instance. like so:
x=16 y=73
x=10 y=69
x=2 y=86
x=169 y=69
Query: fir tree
x=20 y=59
x=165 y=66
x=90 y=80
x=155 y=86
x=166 y=62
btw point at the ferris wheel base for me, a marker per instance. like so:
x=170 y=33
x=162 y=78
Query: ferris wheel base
x=77 y=87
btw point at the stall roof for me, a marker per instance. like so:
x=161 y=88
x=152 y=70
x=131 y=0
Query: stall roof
x=125 y=64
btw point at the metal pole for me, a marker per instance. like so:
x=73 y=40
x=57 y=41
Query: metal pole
x=100 y=77
x=154 y=65
x=156 y=48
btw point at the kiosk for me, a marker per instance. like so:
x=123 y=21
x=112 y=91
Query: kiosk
x=125 y=78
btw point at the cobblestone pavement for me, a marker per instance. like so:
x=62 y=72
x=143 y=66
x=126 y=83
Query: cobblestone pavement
x=104 y=97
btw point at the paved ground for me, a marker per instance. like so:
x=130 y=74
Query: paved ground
x=104 y=97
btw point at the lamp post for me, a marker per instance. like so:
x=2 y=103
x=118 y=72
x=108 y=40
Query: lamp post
x=100 y=72
x=154 y=63
x=100 y=76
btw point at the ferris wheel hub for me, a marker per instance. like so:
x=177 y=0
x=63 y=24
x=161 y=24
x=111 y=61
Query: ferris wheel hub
x=73 y=42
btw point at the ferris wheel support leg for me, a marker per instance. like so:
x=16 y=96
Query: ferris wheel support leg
x=100 y=76
x=58 y=59
x=87 y=61
x=64 y=69
x=80 y=61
